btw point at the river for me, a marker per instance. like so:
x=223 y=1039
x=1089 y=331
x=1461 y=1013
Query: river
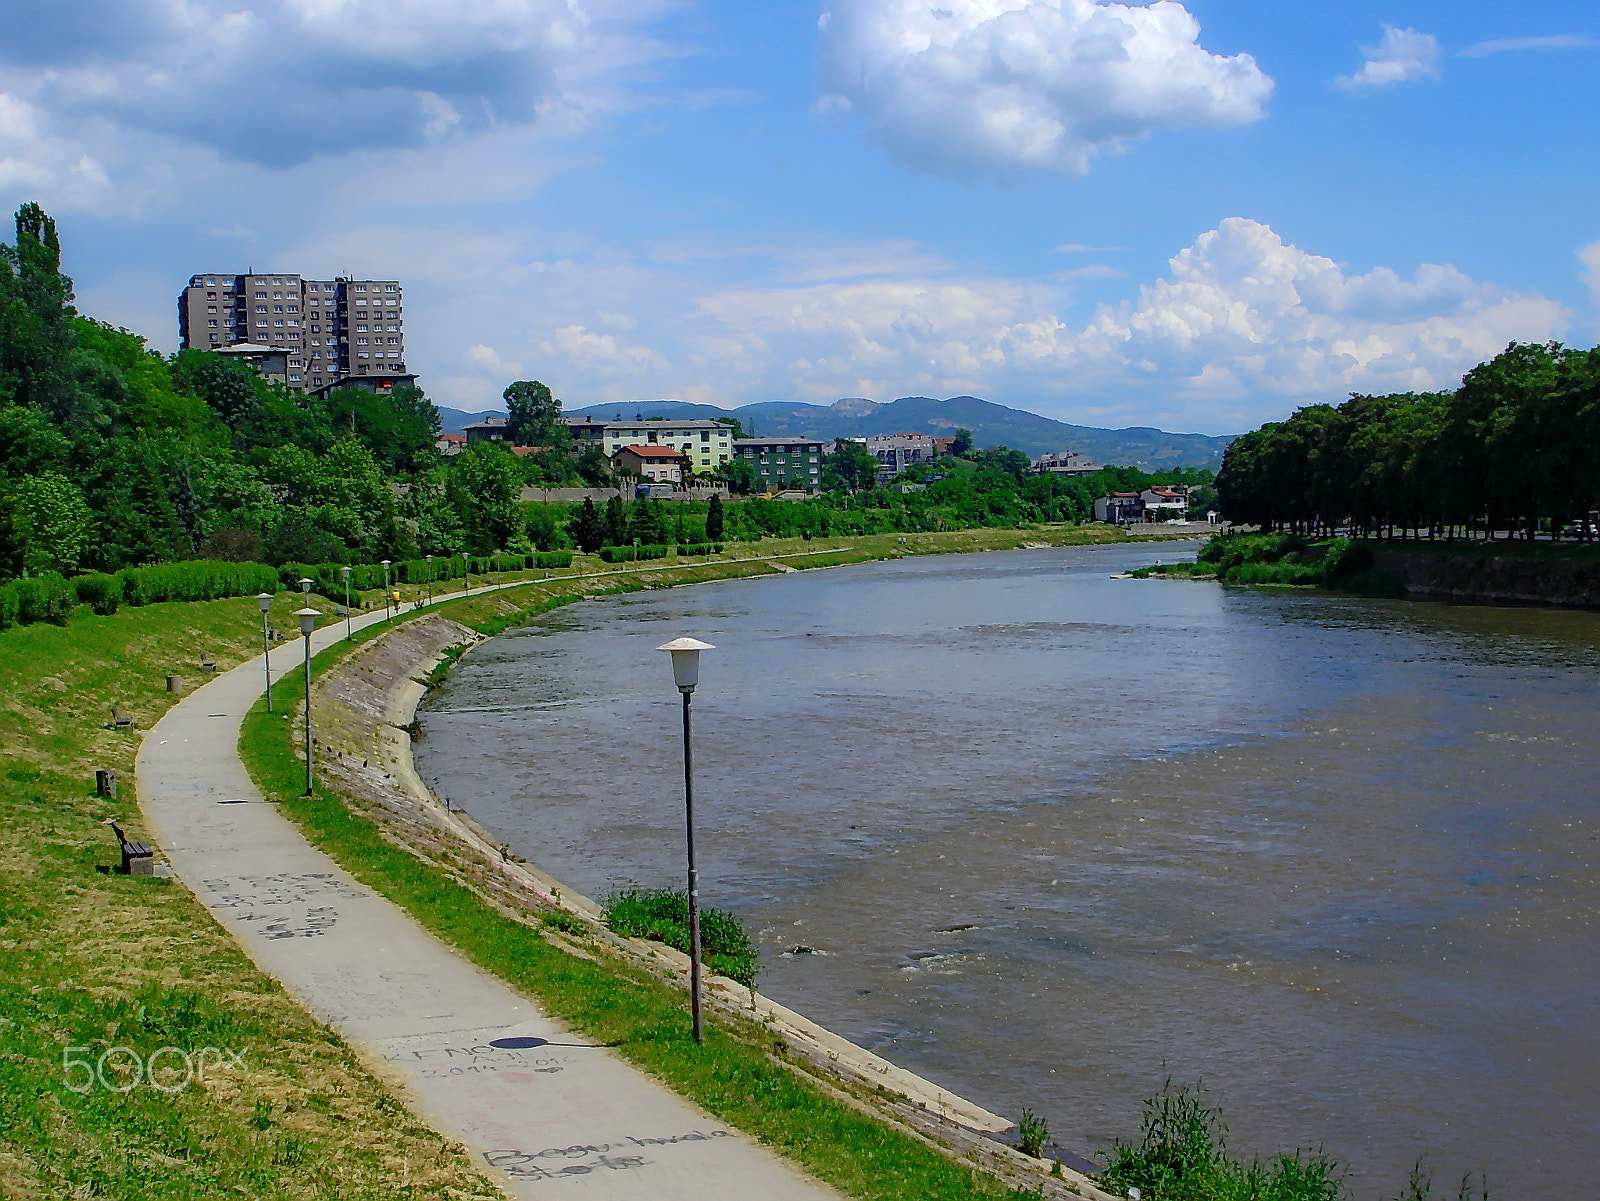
x=1053 y=837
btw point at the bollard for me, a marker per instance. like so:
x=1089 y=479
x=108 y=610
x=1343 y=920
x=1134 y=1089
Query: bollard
x=105 y=783
x=175 y=685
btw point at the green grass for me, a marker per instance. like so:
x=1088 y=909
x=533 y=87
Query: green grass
x=662 y=915
x=95 y=961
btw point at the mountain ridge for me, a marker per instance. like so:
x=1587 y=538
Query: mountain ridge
x=991 y=424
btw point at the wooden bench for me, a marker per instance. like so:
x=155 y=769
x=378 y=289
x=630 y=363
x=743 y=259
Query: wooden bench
x=137 y=857
x=118 y=722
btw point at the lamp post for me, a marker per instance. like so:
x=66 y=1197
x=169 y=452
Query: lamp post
x=308 y=622
x=686 y=674
x=430 y=578
x=466 y=572
x=348 y=636
x=264 y=599
x=388 y=615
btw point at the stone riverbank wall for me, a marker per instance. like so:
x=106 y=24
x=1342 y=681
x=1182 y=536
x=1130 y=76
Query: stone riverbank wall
x=1469 y=578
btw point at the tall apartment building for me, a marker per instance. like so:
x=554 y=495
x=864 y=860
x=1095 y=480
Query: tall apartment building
x=328 y=330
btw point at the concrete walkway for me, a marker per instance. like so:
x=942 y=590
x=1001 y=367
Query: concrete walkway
x=545 y=1111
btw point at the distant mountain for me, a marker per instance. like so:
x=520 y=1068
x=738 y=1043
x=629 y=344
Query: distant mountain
x=991 y=425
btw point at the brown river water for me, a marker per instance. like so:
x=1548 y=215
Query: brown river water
x=1055 y=837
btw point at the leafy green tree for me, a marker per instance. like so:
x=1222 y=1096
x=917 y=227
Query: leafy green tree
x=53 y=520
x=36 y=337
x=616 y=521
x=533 y=416
x=962 y=446
x=738 y=474
x=849 y=466
x=587 y=529
x=486 y=488
x=647 y=522
x=714 y=518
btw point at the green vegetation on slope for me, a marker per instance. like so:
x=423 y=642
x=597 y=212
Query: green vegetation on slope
x=96 y=961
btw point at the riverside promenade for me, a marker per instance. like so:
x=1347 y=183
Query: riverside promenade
x=544 y=1111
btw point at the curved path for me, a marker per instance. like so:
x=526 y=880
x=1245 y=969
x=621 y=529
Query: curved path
x=544 y=1110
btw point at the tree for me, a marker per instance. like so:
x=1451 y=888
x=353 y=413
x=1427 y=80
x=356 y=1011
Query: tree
x=738 y=474
x=962 y=446
x=647 y=522
x=849 y=466
x=486 y=487
x=533 y=416
x=54 y=522
x=616 y=521
x=714 y=519
x=587 y=529
x=36 y=312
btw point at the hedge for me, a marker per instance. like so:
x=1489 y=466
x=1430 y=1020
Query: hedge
x=204 y=579
x=695 y=549
x=627 y=554
x=102 y=592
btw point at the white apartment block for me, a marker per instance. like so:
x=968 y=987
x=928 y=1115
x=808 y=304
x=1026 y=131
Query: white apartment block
x=706 y=444
x=329 y=330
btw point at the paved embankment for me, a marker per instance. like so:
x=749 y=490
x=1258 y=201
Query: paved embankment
x=477 y=1060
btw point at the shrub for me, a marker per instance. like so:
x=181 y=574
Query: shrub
x=203 y=579
x=1182 y=1156
x=662 y=915
x=1032 y=1134
x=551 y=558
x=103 y=593
x=8 y=606
x=696 y=549
x=44 y=598
x=627 y=554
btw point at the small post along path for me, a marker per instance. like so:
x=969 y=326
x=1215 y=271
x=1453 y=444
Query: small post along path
x=546 y=1112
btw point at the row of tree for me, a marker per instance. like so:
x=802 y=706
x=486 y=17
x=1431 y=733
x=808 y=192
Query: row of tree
x=1516 y=448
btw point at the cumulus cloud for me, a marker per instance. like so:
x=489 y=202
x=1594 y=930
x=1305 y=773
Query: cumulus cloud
x=1559 y=41
x=1242 y=327
x=999 y=86
x=1403 y=54
x=1589 y=256
x=277 y=82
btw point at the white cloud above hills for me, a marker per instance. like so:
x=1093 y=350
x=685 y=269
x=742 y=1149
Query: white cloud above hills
x=1001 y=86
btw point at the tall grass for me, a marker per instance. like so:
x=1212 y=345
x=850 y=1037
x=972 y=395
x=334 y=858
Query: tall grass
x=662 y=915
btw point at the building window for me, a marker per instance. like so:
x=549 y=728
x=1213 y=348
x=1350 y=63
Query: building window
x=212 y=322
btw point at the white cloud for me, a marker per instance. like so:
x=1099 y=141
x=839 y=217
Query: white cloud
x=1589 y=256
x=1403 y=54
x=1006 y=85
x=1239 y=329
x=116 y=104
x=1559 y=41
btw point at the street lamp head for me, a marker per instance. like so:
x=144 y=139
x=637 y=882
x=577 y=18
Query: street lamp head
x=345 y=571
x=265 y=600
x=308 y=620
x=686 y=661
x=305 y=585
x=429 y=558
x=384 y=562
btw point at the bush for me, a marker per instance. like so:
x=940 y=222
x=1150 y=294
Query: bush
x=203 y=579
x=103 y=593
x=8 y=606
x=662 y=915
x=551 y=558
x=1182 y=1156
x=627 y=554
x=44 y=598
x=695 y=550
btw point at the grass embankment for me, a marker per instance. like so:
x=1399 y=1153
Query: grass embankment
x=94 y=961
x=1287 y=560
x=736 y=1074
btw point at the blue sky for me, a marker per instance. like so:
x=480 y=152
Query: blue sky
x=1197 y=216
